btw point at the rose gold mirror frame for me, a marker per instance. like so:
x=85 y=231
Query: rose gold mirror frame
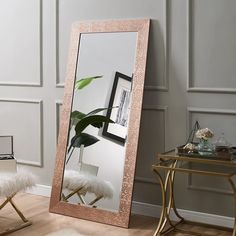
x=120 y=218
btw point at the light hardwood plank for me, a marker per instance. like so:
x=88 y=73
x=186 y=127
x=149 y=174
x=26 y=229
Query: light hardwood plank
x=35 y=208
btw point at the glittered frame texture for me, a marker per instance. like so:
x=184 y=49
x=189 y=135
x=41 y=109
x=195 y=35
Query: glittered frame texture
x=120 y=218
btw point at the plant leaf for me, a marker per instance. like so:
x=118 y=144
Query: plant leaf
x=98 y=125
x=83 y=138
x=75 y=117
x=77 y=114
x=79 y=84
x=78 y=140
x=95 y=120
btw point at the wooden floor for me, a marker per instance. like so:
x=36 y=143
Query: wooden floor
x=35 y=208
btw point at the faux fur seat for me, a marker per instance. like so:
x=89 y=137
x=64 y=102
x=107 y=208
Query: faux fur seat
x=10 y=185
x=81 y=183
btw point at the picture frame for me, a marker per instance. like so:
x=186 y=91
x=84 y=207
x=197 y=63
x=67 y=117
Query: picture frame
x=119 y=105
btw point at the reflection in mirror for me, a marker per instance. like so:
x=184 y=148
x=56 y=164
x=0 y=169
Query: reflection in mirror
x=120 y=101
x=95 y=163
x=100 y=119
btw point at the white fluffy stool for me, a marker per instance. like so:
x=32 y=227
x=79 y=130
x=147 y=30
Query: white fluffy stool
x=10 y=185
x=81 y=183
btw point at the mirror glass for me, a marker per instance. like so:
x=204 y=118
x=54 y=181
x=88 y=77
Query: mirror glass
x=100 y=119
x=111 y=56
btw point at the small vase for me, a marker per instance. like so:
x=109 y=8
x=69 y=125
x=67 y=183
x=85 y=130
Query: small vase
x=205 y=147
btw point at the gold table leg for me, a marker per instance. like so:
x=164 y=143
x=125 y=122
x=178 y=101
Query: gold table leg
x=234 y=191
x=168 y=203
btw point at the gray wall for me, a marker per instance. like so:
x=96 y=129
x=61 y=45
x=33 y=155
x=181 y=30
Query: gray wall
x=190 y=76
x=199 y=84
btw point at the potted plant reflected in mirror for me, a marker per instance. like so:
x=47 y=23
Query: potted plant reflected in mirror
x=81 y=180
x=80 y=121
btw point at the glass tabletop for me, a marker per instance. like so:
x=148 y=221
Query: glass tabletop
x=197 y=158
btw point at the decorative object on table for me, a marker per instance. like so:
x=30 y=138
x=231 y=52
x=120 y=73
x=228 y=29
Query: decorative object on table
x=7 y=160
x=6 y=145
x=223 y=147
x=204 y=147
x=8 y=165
x=190 y=146
x=192 y=135
x=120 y=100
x=204 y=134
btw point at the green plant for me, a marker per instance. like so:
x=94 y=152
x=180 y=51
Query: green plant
x=80 y=121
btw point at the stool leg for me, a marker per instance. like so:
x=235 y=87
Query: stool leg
x=6 y=201
x=81 y=199
x=17 y=227
x=65 y=198
x=18 y=211
x=95 y=200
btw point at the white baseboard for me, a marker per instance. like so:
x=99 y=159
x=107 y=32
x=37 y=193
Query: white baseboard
x=41 y=190
x=155 y=210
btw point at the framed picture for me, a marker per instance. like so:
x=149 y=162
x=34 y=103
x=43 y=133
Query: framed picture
x=120 y=104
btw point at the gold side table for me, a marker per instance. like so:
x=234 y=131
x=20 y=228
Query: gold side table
x=172 y=163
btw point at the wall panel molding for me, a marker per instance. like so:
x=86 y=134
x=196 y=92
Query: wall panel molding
x=157 y=108
x=146 y=180
x=206 y=189
x=39 y=103
x=210 y=111
x=58 y=105
x=191 y=110
x=190 y=87
x=40 y=46
x=165 y=86
x=57 y=72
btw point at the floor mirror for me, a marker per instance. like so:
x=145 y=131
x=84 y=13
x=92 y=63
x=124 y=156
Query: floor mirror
x=99 y=121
